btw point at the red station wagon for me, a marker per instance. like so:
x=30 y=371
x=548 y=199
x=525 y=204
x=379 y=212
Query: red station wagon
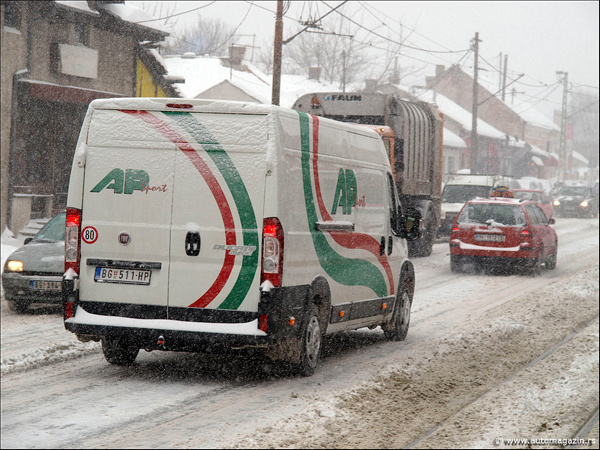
x=503 y=231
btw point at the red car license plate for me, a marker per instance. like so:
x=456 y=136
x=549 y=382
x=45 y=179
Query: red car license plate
x=490 y=237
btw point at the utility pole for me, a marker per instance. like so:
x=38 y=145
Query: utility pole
x=474 y=138
x=562 y=148
x=504 y=77
x=343 y=70
x=278 y=44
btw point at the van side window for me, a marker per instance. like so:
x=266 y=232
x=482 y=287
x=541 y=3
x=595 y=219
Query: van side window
x=395 y=210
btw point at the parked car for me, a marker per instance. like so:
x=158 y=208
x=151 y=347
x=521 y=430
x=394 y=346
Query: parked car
x=33 y=272
x=538 y=196
x=503 y=232
x=576 y=201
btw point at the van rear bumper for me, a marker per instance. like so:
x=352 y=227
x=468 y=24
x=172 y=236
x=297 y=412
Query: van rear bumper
x=195 y=329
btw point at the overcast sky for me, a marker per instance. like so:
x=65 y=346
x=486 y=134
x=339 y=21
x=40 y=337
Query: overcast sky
x=540 y=38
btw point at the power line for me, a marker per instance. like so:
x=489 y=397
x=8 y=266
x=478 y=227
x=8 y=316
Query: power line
x=178 y=14
x=388 y=39
x=234 y=31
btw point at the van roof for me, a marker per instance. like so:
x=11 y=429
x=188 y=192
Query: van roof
x=211 y=106
x=162 y=104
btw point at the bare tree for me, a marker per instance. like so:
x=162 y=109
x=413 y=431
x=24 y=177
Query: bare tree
x=206 y=36
x=346 y=53
x=339 y=56
x=264 y=58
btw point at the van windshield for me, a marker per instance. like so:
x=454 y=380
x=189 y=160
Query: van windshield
x=509 y=215
x=462 y=193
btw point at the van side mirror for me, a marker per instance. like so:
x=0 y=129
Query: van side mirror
x=409 y=225
x=27 y=241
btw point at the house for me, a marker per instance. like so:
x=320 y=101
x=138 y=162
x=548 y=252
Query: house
x=522 y=122
x=232 y=78
x=57 y=56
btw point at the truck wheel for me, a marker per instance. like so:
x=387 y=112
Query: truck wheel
x=17 y=306
x=398 y=328
x=311 y=343
x=424 y=245
x=119 y=351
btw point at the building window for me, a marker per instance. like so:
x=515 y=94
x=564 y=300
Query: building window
x=12 y=15
x=82 y=34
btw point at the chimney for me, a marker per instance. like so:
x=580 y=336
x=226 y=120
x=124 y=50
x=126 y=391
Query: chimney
x=314 y=73
x=236 y=54
x=370 y=85
x=439 y=70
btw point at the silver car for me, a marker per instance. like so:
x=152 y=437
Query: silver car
x=33 y=272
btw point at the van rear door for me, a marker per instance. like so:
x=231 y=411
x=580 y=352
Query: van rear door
x=217 y=214
x=126 y=215
x=176 y=199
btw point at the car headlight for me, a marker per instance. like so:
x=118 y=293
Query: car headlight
x=14 y=266
x=584 y=204
x=556 y=203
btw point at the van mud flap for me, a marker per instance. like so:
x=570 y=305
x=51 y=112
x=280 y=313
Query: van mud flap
x=286 y=310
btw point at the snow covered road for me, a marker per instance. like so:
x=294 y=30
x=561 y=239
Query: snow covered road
x=463 y=378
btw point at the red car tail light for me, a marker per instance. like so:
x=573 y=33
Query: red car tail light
x=526 y=236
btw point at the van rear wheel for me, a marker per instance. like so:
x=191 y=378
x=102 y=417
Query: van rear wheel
x=398 y=328
x=311 y=343
x=119 y=351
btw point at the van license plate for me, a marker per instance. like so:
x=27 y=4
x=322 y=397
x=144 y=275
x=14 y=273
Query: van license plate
x=43 y=285
x=490 y=237
x=124 y=276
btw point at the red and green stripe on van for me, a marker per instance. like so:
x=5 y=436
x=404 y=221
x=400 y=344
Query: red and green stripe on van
x=344 y=270
x=238 y=191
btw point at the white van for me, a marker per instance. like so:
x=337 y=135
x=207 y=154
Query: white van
x=199 y=225
x=460 y=188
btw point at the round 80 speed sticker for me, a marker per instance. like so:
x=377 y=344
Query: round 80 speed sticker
x=89 y=235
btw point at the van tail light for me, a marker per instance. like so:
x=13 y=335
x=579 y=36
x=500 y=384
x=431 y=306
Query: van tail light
x=73 y=240
x=272 y=252
x=72 y=258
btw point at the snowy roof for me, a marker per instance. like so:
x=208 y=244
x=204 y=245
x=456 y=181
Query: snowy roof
x=80 y=5
x=127 y=12
x=204 y=72
x=133 y=14
x=452 y=139
x=456 y=112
